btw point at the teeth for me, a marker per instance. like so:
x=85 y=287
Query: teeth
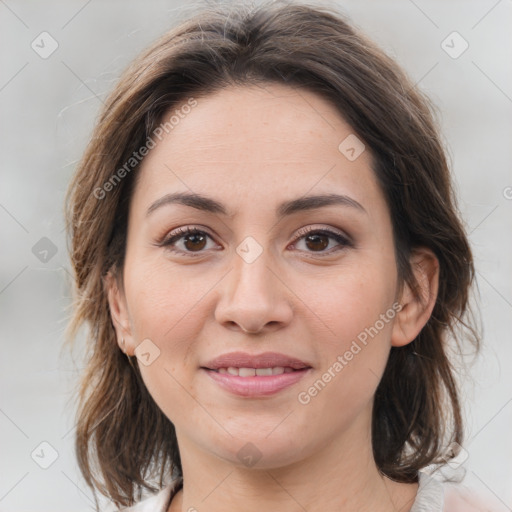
x=263 y=371
x=244 y=372
x=252 y=372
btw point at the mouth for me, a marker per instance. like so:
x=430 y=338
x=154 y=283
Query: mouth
x=253 y=375
x=255 y=382
x=255 y=372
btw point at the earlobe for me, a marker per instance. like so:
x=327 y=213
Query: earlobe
x=119 y=313
x=418 y=304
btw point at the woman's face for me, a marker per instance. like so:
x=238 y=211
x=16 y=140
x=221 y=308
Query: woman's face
x=271 y=270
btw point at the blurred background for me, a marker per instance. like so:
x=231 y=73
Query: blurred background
x=59 y=60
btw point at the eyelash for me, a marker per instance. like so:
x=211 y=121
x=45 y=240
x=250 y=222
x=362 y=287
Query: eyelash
x=302 y=233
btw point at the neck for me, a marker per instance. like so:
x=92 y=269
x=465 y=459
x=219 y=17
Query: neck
x=341 y=475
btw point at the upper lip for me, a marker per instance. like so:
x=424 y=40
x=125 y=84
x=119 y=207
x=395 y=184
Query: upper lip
x=264 y=360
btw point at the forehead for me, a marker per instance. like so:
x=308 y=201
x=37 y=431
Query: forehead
x=255 y=142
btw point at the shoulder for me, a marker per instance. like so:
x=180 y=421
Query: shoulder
x=458 y=498
x=159 y=502
x=439 y=495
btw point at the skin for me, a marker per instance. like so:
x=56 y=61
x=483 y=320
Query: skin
x=250 y=148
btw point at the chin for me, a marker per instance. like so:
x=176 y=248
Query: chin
x=259 y=451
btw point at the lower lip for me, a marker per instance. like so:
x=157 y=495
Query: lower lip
x=264 y=385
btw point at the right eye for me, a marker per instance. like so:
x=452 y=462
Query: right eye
x=193 y=240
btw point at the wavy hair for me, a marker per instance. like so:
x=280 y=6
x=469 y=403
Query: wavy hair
x=123 y=440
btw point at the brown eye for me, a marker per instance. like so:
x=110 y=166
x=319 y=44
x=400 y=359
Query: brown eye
x=194 y=241
x=186 y=241
x=317 y=241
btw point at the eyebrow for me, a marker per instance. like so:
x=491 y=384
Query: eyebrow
x=207 y=204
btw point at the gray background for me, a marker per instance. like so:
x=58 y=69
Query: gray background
x=48 y=108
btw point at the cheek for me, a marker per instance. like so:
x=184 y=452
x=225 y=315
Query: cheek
x=359 y=312
x=355 y=300
x=164 y=299
x=167 y=307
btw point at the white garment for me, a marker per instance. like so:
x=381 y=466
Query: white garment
x=430 y=497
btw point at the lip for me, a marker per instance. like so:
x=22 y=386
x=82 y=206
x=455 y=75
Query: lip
x=256 y=386
x=263 y=385
x=246 y=360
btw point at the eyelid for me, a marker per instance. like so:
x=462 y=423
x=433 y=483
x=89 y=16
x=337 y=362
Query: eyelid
x=181 y=231
x=327 y=230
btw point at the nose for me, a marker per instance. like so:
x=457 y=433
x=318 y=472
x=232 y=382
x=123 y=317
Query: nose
x=254 y=298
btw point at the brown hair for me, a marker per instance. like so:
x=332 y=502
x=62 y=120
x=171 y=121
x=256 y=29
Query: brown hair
x=123 y=439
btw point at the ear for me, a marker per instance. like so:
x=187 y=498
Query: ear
x=417 y=308
x=119 y=313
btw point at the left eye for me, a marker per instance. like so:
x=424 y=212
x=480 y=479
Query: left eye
x=318 y=240
x=195 y=240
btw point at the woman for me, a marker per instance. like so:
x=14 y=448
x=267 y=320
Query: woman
x=269 y=258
